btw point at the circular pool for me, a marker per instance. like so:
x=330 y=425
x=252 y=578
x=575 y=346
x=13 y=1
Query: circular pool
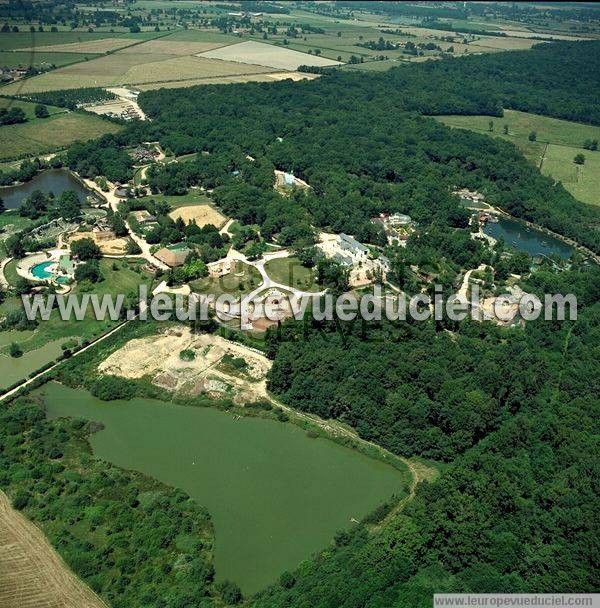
x=42 y=271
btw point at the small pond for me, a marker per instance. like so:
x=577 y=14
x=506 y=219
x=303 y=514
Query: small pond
x=522 y=238
x=51 y=180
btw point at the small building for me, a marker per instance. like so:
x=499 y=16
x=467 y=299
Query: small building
x=143 y=217
x=122 y=192
x=172 y=257
x=221 y=268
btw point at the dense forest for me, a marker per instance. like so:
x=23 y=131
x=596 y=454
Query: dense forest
x=517 y=508
x=362 y=143
x=135 y=541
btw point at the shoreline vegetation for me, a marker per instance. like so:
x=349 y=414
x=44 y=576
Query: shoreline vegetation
x=490 y=426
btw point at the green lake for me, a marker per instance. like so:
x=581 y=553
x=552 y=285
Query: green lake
x=275 y=495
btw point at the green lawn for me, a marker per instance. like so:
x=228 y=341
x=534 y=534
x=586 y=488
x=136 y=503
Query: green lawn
x=125 y=279
x=24 y=59
x=520 y=125
x=10 y=272
x=234 y=284
x=44 y=135
x=582 y=181
x=289 y=271
x=193 y=197
x=28 y=108
x=557 y=143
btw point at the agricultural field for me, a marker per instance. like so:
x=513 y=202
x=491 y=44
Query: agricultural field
x=98 y=46
x=267 y=55
x=156 y=61
x=557 y=142
x=265 y=77
x=25 y=59
x=59 y=130
x=521 y=124
x=37 y=40
x=32 y=575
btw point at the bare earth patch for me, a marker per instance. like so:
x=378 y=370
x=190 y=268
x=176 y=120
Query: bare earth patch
x=32 y=575
x=157 y=358
x=115 y=246
x=201 y=214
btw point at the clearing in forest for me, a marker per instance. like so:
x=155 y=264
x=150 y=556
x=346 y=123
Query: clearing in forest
x=32 y=575
x=201 y=214
x=268 y=55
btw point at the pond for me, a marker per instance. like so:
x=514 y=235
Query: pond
x=51 y=180
x=275 y=495
x=18 y=368
x=522 y=238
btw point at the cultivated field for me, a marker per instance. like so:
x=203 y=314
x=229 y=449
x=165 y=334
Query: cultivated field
x=49 y=134
x=267 y=55
x=174 y=47
x=201 y=214
x=181 y=68
x=132 y=68
x=32 y=575
x=99 y=46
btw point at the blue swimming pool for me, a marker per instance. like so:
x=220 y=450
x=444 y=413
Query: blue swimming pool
x=40 y=271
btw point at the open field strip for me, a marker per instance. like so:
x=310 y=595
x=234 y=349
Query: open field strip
x=174 y=47
x=53 y=133
x=557 y=143
x=32 y=575
x=180 y=68
x=235 y=78
x=24 y=59
x=101 y=45
x=267 y=55
x=21 y=40
x=131 y=68
x=520 y=125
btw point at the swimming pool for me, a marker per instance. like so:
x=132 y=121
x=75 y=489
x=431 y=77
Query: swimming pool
x=40 y=271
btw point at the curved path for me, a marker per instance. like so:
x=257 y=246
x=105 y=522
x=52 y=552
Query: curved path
x=3 y=282
x=114 y=201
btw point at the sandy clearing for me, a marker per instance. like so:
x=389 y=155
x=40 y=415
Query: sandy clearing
x=295 y=76
x=201 y=214
x=32 y=574
x=267 y=55
x=116 y=246
x=157 y=357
